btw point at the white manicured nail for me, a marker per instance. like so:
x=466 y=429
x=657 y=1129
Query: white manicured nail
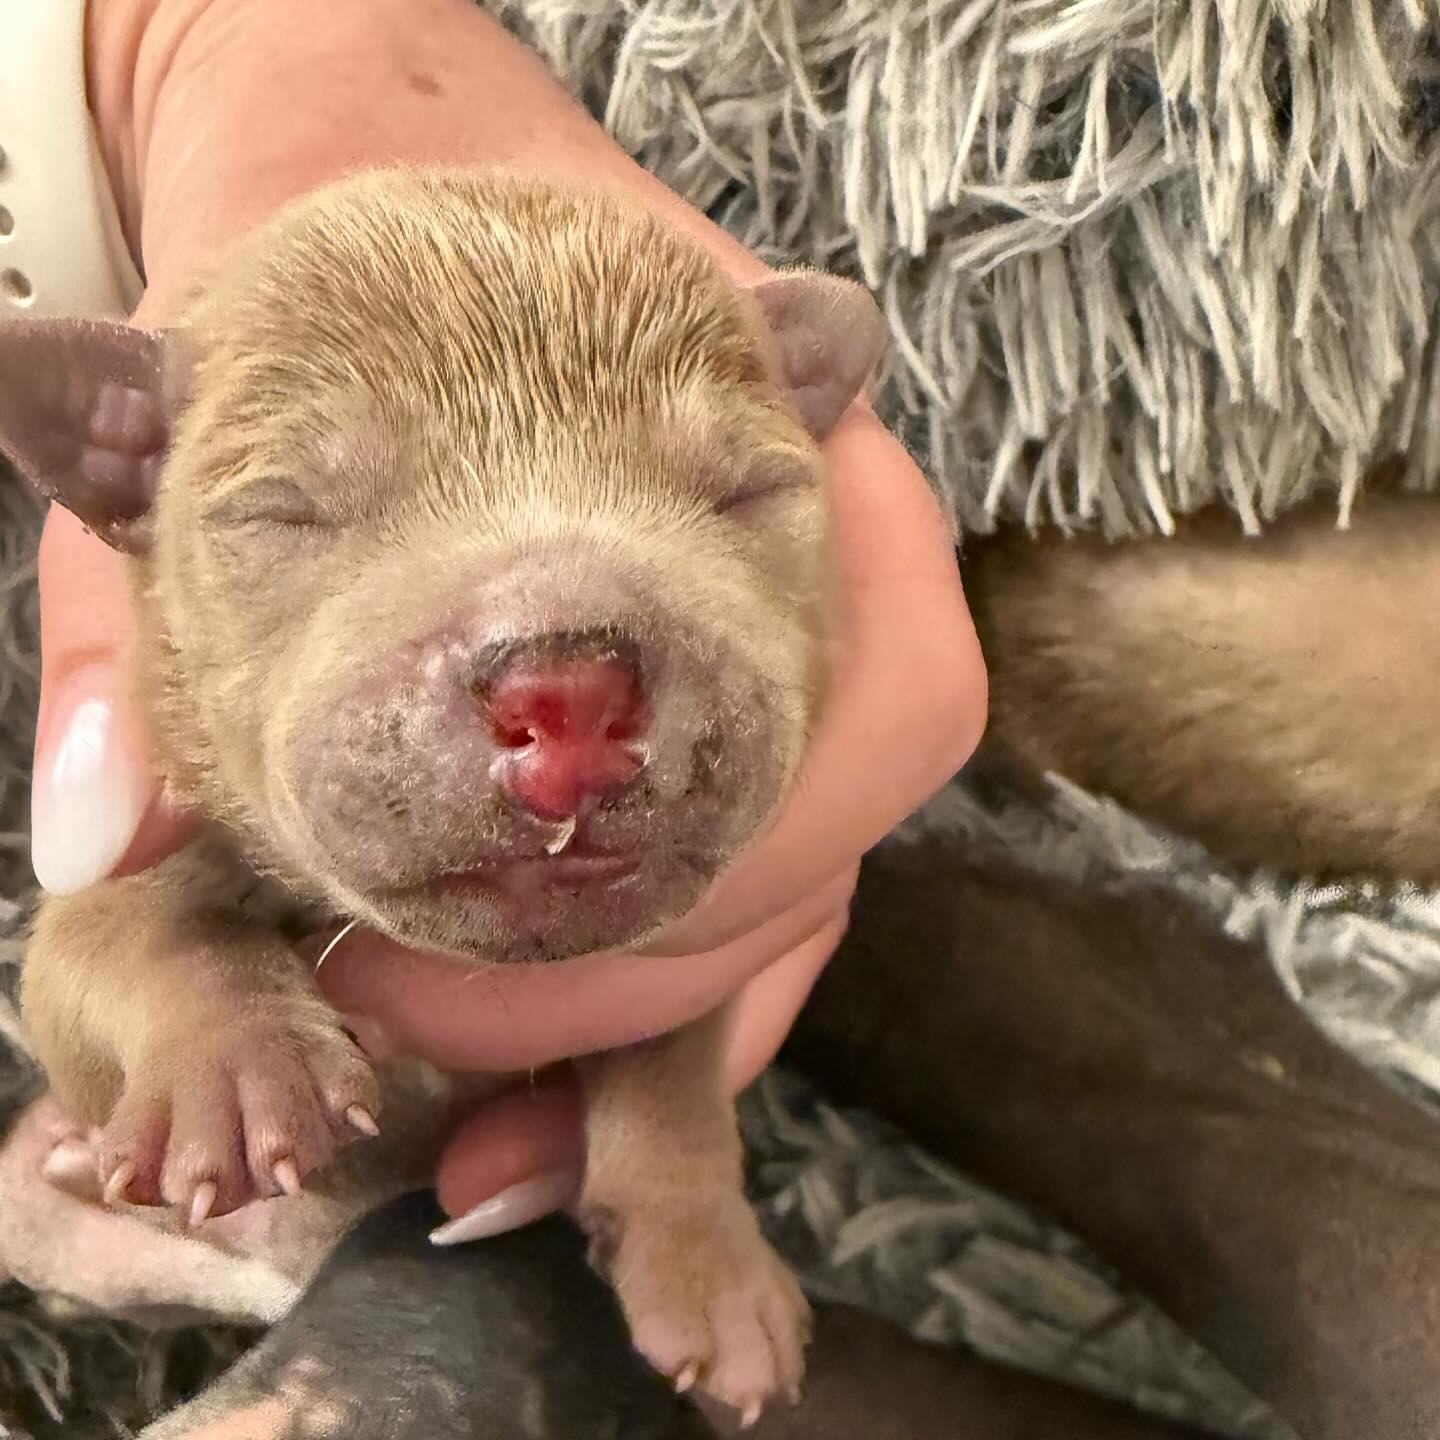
x=510 y=1209
x=89 y=792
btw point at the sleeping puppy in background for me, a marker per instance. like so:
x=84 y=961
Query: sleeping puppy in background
x=1271 y=697
x=480 y=553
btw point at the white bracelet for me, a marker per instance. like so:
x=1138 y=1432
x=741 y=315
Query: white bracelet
x=62 y=250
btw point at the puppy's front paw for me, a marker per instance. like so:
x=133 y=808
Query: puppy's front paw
x=708 y=1301
x=214 y=1121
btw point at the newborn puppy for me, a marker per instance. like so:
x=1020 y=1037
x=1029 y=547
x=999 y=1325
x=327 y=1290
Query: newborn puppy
x=396 y=1340
x=480 y=549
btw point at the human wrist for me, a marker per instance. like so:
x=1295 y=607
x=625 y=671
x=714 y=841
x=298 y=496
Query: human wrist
x=116 y=50
x=176 y=84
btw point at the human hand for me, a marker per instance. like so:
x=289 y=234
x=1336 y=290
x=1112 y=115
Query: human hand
x=176 y=86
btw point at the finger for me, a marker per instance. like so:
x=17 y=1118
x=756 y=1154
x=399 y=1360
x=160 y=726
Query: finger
x=509 y=1018
x=908 y=702
x=162 y=831
x=766 y=1008
x=96 y=807
x=534 y=1131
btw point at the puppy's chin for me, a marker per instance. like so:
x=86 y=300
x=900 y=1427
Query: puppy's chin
x=538 y=912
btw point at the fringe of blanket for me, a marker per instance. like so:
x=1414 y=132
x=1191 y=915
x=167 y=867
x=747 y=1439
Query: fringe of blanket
x=20 y=515
x=1138 y=256
x=870 y=1220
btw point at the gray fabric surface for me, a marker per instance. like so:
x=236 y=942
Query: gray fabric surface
x=873 y=1221
x=1139 y=255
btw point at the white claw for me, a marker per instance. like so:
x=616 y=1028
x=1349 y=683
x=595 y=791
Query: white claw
x=751 y=1415
x=362 y=1120
x=287 y=1177
x=686 y=1379
x=202 y=1203
x=566 y=835
x=118 y=1184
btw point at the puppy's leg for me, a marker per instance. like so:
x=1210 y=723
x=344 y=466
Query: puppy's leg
x=707 y=1298
x=194 y=1036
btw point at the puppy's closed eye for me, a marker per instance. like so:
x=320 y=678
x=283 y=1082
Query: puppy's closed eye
x=752 y=492
x=271 y=502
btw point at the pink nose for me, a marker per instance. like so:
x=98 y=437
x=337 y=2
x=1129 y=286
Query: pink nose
x=572 y=725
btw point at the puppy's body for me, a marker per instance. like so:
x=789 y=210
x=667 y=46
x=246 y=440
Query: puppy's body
x=481 y=559
x=1274 y=698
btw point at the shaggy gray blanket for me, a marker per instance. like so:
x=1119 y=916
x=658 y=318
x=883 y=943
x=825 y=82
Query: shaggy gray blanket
x=1138 y=256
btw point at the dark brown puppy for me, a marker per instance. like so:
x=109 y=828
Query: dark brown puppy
x=1116 y=1062
x=480 y=548
x=396 y=1340
x=869 y=1381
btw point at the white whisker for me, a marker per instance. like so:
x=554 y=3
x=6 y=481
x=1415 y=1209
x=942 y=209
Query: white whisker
x=334 y=941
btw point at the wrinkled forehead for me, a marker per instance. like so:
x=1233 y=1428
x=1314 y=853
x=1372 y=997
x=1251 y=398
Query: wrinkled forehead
x=360 y=447
x=338 y=379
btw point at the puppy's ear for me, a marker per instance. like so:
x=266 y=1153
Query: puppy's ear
x=86 y=410
x=829 y=335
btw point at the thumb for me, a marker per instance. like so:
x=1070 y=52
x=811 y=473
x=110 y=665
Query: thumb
x=95 y=805
x=520 y=1156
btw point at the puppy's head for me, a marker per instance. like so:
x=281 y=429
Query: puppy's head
x=483 y=546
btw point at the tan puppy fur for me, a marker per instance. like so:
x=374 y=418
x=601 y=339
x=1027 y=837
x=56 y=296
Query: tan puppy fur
x=420 y=434
x=1274 y=698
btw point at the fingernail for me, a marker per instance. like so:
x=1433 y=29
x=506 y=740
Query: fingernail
x=89 y=791
x=519 y=1205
